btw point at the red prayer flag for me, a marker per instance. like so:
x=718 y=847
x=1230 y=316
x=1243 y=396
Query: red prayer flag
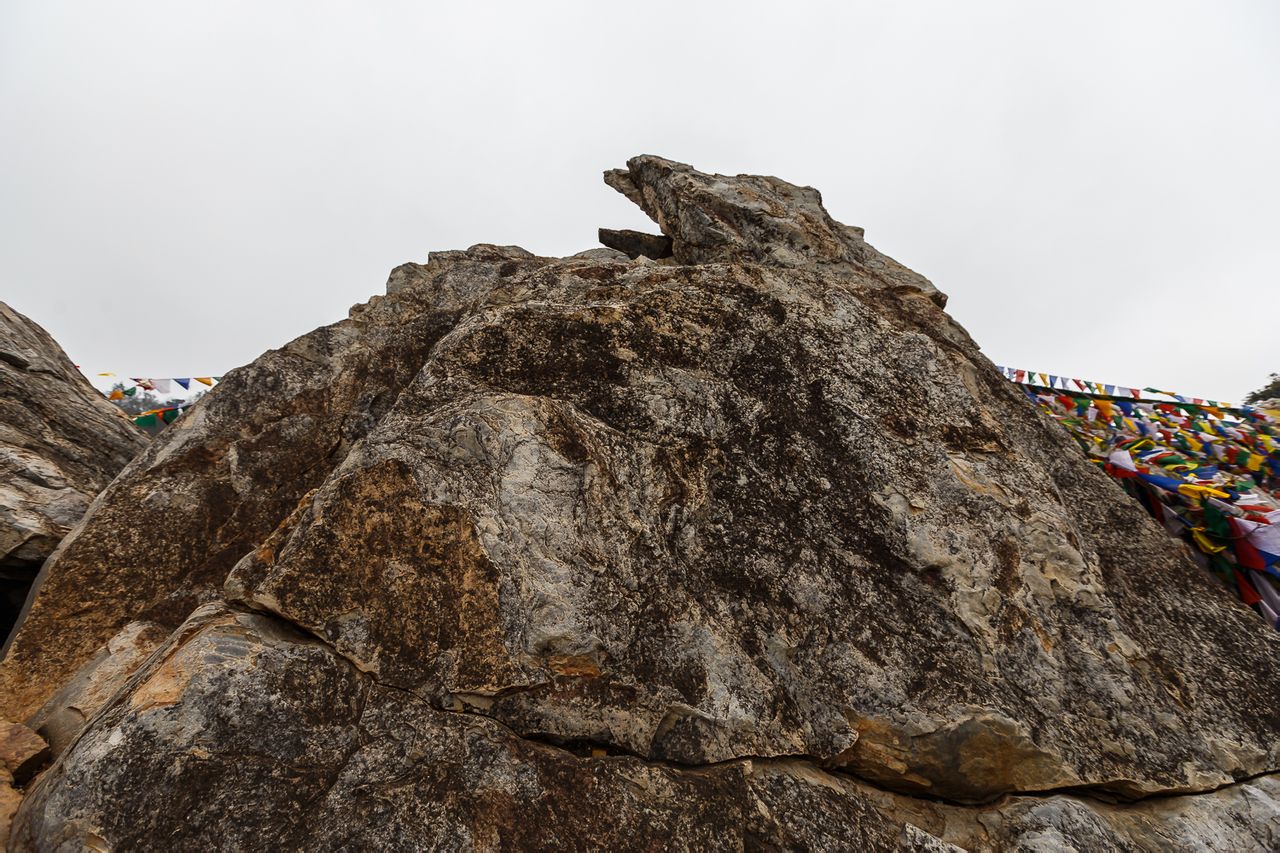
x=1247 y=555
x=1248 y=594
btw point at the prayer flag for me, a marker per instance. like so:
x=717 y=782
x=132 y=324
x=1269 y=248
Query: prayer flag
x=1266 y=539
x=1248 y=594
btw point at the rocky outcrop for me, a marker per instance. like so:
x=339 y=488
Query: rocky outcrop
x=753 y=219
x=747 y=548
x=60 y=444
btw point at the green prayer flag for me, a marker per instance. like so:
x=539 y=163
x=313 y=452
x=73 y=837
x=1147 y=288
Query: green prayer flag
x=1215 y=521
x=145 y=420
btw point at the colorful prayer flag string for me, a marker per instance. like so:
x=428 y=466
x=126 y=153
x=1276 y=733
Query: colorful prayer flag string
x=1108 y=390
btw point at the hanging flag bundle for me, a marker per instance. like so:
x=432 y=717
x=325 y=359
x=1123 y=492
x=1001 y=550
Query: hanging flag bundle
x=160 y=386
x=167 y=415
x=1209 y=473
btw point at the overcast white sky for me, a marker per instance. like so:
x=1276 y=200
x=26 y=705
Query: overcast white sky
x=1096 y=185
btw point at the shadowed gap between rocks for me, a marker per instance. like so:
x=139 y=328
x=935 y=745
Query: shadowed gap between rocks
x=15 y=585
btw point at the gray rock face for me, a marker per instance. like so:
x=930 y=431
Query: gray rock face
x=754 y=549
x=60 y=444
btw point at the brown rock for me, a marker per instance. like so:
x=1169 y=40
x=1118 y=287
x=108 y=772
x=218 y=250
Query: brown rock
x=60 y=444
x=752 y=550
x=10 y=799
x=22 y=751
x=65 y=713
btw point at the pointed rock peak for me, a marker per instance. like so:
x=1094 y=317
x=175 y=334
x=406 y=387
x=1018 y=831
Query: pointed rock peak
x=751 y=219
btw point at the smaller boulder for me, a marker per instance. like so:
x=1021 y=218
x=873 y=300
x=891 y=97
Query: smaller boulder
x=636 y=244
x=22 y=751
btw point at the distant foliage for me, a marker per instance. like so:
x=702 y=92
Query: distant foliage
x=1266 y=392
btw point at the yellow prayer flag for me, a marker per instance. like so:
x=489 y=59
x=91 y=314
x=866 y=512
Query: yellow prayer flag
x=1193 y=490
x=207 y=380
x=1206 y=544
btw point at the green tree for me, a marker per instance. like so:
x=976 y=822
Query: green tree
x=1266 y=392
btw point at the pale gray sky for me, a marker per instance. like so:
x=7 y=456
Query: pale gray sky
x=1096 y=185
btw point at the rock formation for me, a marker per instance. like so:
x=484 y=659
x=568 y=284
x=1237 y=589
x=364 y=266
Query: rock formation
x=60 y=444
x=745 y=547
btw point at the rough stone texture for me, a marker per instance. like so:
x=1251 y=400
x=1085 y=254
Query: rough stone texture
x=60 y=444
x=753 y=550
x=333 y=760
x=66 y=712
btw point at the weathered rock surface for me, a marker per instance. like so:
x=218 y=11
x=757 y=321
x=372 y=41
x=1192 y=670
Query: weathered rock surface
x=60 y=444
x=755 y=549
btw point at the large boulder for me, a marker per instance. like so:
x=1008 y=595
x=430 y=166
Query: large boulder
x=60 y=444
x=746 y=547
